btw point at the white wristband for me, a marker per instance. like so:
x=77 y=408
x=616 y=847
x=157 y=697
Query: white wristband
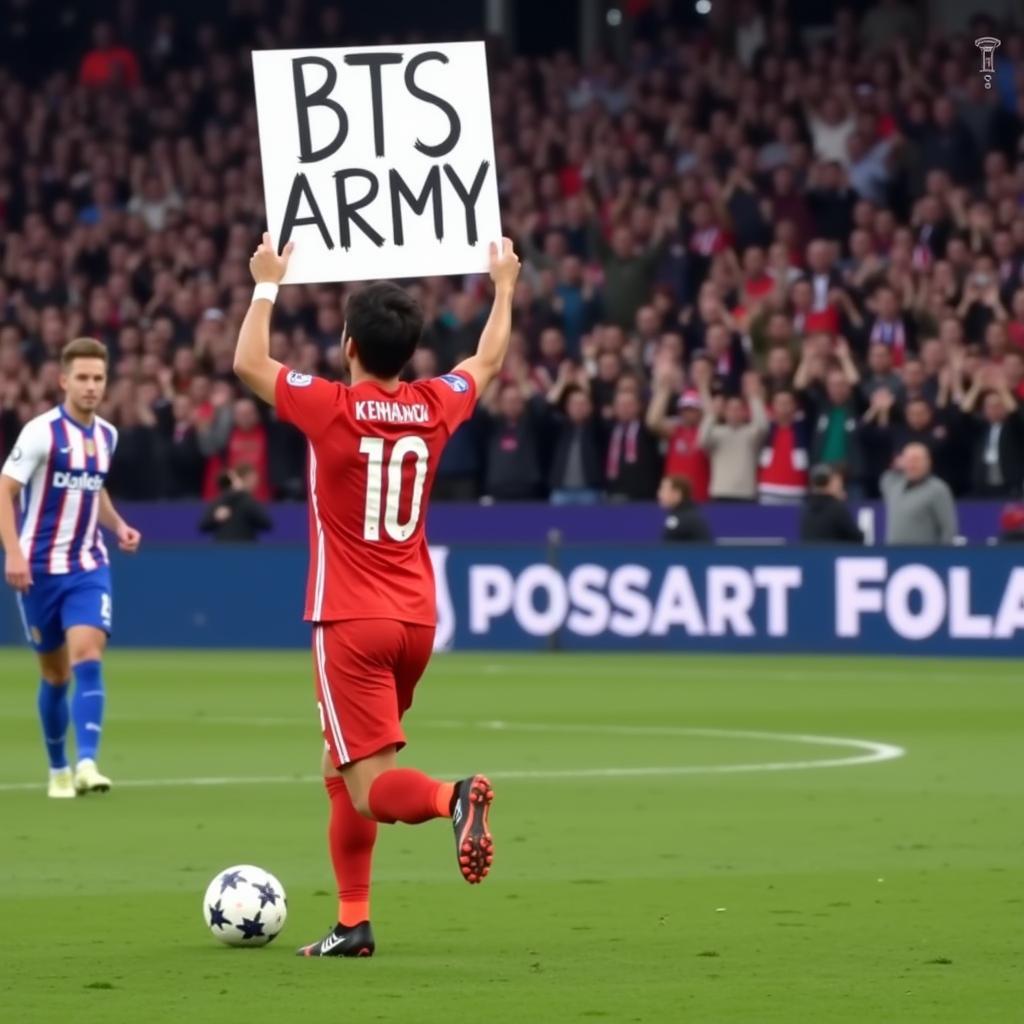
x=265 y=290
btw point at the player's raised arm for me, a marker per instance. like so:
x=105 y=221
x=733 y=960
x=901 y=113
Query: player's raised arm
x=253 y=364
x=497 y=332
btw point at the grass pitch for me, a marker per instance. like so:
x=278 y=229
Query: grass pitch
x=644 y=871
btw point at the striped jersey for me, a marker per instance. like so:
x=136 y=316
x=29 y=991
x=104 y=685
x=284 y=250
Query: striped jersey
x=62 y=466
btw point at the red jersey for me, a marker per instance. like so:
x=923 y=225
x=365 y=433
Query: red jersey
x=373 y=455
x=687 y=459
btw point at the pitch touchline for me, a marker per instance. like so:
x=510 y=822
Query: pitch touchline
x=871 y=752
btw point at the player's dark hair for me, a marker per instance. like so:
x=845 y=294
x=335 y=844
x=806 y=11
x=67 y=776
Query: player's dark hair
x=682 y=486
x=83 y=348
x=385 y=323
x=821 y=476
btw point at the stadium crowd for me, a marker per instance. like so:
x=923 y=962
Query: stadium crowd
x=745 y=252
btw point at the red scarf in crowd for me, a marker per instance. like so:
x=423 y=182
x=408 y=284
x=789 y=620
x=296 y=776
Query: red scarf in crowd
x=624 y=436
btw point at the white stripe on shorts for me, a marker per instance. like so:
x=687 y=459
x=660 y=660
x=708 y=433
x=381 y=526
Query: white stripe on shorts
x=325 y=696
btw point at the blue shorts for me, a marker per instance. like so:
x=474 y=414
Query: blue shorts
x=54 y=604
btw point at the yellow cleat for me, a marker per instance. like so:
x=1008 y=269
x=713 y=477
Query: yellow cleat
x=88 y=778
x=62 y=786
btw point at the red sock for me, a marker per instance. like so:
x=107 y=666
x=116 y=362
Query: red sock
x=404 y=794
x=350 y=837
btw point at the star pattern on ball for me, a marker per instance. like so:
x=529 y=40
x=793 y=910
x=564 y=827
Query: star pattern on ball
x=252 y=929
x=218 y=919
x=267 y=894
x=230 y=880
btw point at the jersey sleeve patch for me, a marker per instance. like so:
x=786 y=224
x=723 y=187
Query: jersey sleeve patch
x=298 y=380
x=458 y=384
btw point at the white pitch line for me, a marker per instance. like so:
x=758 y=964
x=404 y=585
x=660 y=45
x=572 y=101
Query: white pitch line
x=874 y=752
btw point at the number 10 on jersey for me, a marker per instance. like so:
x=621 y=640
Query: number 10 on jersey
x=374 y=449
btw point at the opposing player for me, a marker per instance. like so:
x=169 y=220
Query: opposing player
x=374 y=448
x=58 y=562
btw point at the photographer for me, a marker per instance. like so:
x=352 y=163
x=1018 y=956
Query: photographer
x=826 y=519
x=683 y=518
x=235 y=515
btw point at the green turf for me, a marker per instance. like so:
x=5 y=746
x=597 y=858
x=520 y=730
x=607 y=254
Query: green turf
x=888 y=892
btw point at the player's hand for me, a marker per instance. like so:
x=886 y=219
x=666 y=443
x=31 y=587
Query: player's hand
x=17 y=572
x=266 y=265
x=128 y=539
x=504 y=264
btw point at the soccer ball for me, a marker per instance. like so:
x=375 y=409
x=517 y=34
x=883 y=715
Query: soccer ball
x=245 y=906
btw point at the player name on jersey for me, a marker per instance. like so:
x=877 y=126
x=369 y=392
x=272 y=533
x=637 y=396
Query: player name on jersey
x=392 y=412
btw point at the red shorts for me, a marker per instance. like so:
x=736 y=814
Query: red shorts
x=366 y=671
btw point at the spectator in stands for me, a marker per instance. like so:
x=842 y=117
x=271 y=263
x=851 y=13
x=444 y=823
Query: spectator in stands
x=920 y=426
x=782 y=470
x=137 y=472
x=826 y=518
x=919 y=507
x=185 y=461
x=247 y=444
x=947 y=144
x=154 y=196
x=997 y=455
x=734 y=443
x=605 y=381
x=576 y=475
x=779 y=370
x=575 y=303
x=889 y=327
x=832 y=201
x=632 y=465
x=683 y=520
x=629 y=270
x=236 y=515
x=513 y=425
x=458 y=473
x=881 y=373
x=833 y=410
x=685 y=458
x=109 y=64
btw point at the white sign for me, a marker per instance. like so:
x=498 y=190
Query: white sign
x=378 y=161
